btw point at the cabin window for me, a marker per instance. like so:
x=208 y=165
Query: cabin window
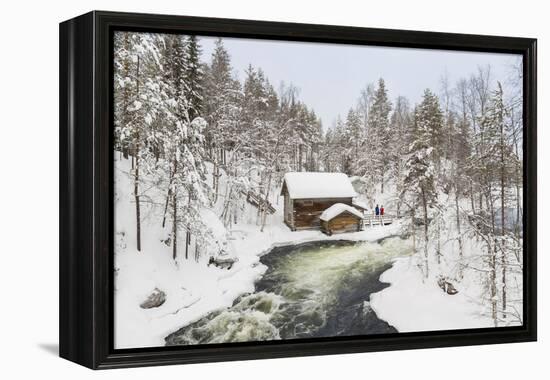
x=307 y=203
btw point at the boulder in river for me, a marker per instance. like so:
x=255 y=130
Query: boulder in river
x=155 y=299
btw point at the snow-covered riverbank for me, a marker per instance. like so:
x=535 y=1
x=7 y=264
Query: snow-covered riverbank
x=192 y=288
x=195 y=289
x=413 y=304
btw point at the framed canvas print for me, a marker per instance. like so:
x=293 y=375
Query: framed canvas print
x=239 y=189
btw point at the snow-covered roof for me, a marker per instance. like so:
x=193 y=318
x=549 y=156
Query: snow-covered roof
x=338 y=208
x=306 y=185
x=360 y=204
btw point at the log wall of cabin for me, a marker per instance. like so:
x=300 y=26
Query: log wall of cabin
x=287 y=211
x=344 y=222
x=325 y=227
x=306 y=212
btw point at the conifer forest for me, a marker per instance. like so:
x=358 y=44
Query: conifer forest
x=244 y=213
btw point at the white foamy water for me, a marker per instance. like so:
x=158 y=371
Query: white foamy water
x=309 y=290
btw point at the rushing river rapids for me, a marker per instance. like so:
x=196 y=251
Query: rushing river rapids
x=315 y=289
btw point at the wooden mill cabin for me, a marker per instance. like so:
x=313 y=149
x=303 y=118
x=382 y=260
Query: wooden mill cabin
x=341 y=218
x=307 y=195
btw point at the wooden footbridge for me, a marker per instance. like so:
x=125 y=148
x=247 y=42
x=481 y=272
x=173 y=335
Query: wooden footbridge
x=378 y=220
x=257 y=201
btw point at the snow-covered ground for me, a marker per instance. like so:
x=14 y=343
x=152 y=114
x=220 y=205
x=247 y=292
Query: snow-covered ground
x=193 y=288
x=414 y=304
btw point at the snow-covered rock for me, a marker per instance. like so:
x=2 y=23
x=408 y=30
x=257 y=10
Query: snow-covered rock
x=155 y=299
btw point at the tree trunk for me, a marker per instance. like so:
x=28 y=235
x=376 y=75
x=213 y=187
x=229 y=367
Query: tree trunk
x=502 y=214
x=300 y=152
x=503 y=279
x=126 y=97
x=398 y=208
x=492 y=258
x=196 y=251
x=460 y=249
x=413 y=214
x=438 y=249
x=493 y=284
x=480 y=201
x=187 y=233
x=168 y=196
x=215 y=178
x=217 y=188
x=174 y=226
x=226 y=207
x=266 y=200
x=138 y=210
x=472 y=198
x=187 y=243
x=136 y=172
x=426 y=239
x=518 y=200
x=491 y=207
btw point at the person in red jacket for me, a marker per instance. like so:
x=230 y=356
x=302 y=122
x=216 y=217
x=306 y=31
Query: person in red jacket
x=381 y=210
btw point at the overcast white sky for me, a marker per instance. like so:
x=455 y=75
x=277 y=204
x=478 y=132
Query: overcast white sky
x=330 y=77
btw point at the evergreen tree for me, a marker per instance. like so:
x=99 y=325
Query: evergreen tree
x=221 y=100
x=420 y=171
x=193 y=77
x=378 y=136
x=135 y=111
x=353 y=135
x=221 y=109
x=497 y=167
x=401 y=126
x=430 y=117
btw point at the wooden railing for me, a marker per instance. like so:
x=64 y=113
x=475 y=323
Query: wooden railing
x=255 y=200
x=378 y=220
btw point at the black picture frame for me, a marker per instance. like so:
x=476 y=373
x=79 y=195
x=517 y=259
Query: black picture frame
x=86 y=178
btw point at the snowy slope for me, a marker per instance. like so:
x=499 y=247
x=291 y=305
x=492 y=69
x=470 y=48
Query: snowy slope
x=415 y=303
x=192 y=288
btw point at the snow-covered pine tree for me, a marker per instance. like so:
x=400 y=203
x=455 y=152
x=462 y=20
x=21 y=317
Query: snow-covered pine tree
x=256 y=129
x=430 y=115
x=378 y=135
x=327 y=152
x=459 y=153
x=478 y=87
x=253 y=111
x=135 y=107
x=221 y=109
x=364 y=104
x=315 y=135
x=515 y=107
x=498 y=168
x=174 y=107
x=305 y=131
x=401 y=126
x=420 y=167
x=182 y=167
x=353 y=136
x=341 y=162
x=193 y=77
x=123 y=85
